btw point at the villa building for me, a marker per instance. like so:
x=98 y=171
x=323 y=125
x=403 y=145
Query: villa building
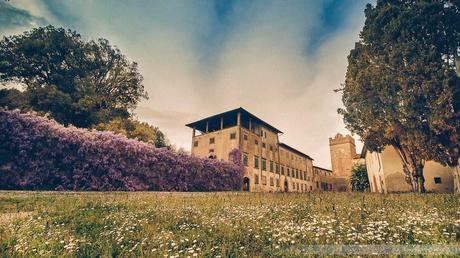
x=324 y=179
x=385 y=173
x=270 y=166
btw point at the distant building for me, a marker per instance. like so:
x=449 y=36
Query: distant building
x=343 y=157
x=270 y=166
x=323 y=178
x=385 y=172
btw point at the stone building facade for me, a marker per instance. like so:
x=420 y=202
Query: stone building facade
x=324 y=179
x=270 y=166
x=385 y=173
x=343 y=157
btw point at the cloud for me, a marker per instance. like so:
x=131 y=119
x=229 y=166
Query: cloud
x=280 y=60
x=15 y=20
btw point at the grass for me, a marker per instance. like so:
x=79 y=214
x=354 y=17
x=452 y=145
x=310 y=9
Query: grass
x=151 y=224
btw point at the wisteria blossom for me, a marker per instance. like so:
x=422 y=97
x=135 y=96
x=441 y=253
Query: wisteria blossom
x=38 y=153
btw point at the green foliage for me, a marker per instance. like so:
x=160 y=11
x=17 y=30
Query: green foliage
x=13 y=99
x=134 y=129
x=359 y=180
x=402 y=86
x=76 y=81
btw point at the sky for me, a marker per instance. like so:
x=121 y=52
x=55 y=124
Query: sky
x=280 y=60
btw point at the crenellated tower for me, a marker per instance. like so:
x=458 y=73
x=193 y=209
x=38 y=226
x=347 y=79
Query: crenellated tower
x=343 y=151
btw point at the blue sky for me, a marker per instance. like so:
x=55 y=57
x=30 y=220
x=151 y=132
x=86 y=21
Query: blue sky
x=280 y=60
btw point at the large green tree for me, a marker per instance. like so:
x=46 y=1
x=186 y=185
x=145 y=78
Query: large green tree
x=77 y=81
x=135 y=129
x=402 y=86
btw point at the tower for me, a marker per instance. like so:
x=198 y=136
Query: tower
x=343 y=150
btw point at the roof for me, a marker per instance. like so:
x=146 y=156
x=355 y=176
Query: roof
x=323 y=168
x=294 y=150
x=202 y=123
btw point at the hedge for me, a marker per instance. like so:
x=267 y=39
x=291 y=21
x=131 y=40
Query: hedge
x=37 y=153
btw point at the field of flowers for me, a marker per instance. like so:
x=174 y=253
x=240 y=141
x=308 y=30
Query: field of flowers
x=222 y=224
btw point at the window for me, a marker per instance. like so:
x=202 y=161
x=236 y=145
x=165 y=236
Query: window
x=195 y=144
x=271 y=148
x=298 y=186
x=256 y=142
x=282 y=170
x=317 y=184
x=437 y=180
x=256 y=179
x=272 y=182
x=256 y=162
x=271 y=166
x=288 y=172
x=293 y=185
x=277 y=182
x=264 y=180
x=264 y=164
x=245 y=137
x=232 y=136
x=277 y=168
x=265 y=134
x=263 y=145
x=211 y=140
x=245 y=159
x=311 y=188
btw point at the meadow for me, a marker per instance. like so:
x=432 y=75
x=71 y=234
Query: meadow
x=226 y=224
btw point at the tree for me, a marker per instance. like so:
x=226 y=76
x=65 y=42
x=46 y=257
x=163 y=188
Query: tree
x=402 y=86
x=78 y=82
x=359 y=180
x=136 y=130
x=13 y=99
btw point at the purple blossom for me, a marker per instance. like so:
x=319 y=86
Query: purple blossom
x=39 y=154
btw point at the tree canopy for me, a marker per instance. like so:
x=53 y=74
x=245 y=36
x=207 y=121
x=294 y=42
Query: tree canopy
x=134 y=129
x=402 y=86
x=77 y=82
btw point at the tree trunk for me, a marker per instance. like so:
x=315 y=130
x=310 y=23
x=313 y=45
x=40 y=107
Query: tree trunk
x=407 y=166
x=412 y=167
x=420 y=178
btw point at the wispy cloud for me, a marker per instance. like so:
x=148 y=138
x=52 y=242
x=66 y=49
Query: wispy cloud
x=15 y=20
x=279 y=59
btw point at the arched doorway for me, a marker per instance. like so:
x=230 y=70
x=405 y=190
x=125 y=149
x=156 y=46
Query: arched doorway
x=286 y=186
x=246 y=184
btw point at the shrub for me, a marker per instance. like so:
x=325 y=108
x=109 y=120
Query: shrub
x=39 y=154
x=359 y=179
